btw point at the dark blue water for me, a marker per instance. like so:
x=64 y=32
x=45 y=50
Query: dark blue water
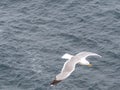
x=34 y=34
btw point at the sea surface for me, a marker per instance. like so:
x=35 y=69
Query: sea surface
x=34 y=34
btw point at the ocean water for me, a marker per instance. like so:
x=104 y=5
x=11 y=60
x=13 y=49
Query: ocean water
x=34 y=34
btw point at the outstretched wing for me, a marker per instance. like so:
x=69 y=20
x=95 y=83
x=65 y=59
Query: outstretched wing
x=84 y=55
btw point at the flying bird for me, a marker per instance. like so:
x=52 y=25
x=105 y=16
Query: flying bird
x=69 y=65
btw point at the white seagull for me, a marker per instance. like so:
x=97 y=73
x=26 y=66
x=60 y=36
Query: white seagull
x=69 y=65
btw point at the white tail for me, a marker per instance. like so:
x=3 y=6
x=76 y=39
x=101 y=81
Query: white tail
x=67 y=56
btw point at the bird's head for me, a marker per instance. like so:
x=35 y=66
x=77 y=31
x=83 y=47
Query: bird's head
x=85 y=62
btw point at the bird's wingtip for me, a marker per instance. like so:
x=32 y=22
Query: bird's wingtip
x=54 y=82
x=99 y=55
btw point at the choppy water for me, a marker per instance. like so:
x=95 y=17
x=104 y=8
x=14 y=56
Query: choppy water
x=34 y=34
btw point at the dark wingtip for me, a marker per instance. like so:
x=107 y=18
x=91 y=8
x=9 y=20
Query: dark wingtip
x=54 y=82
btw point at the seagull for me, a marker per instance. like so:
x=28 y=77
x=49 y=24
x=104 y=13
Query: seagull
x=69 y=65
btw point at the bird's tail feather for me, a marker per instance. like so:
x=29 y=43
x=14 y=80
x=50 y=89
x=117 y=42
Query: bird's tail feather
x=67 y=56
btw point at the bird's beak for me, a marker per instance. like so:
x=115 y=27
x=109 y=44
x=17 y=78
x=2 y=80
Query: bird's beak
x=90 y=65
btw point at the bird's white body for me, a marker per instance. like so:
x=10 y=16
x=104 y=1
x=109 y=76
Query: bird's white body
x=69 y=65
